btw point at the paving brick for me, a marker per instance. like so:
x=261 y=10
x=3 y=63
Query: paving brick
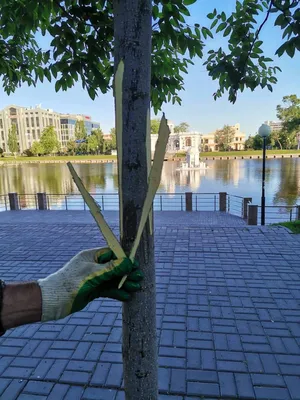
x=178 y=381
x=164 y=379
x=227 y=384
x=58 y=392
x=267 y=380
x=203 y=389
x=75 y=377
x=13 y=389
x=115 y=376
x=244 y=386
x=56 y=370
x=74 y=393
x=100 y=374
x=266 y=393
x=94 y=352
x=38 y=387
x=269 y=363
x=198 y=375
x=85 y=366
x=98 y=394
x=17 y=372
x=254 y=363
x=31 y=397
x=231 y=366
x=293 y=384
x=3 y=384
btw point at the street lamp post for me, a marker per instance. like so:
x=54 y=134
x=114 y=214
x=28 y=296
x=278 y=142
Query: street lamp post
x=264 y=131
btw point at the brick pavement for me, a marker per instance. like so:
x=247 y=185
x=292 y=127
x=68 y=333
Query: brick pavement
x=227 y=313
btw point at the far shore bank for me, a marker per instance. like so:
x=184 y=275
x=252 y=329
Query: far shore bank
x=236 y=155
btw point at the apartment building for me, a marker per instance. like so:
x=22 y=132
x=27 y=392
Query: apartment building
x=274 y=125
x=30 y=122
x=68 y=122
x=238 y=143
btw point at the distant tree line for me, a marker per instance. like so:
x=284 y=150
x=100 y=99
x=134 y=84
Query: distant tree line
x=82 y=144
x=289 y=136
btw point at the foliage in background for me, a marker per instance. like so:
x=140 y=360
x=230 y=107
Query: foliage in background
x=81 y=45
x=80 y=130
x=37 y=148
x=182 y=127
x=224 y=137
x=113 y=139
x=155 y=126
x=12 y=140
x=71 y=146
x=92 y=144
x=49 y=141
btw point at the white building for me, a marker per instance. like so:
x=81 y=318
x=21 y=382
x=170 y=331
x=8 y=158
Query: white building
x=274 y=125
x=29 y=122
x=181 y=141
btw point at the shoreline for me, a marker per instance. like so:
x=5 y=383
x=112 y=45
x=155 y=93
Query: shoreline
x=113 y=159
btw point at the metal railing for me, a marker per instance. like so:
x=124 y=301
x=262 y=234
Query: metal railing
x=235 y=205
x=4 y=202
x=28 y=201
x=110 y=202
x=206 y=201
x=280 y=213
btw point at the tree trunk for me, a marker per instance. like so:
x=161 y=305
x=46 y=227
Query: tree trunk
x=133 y=30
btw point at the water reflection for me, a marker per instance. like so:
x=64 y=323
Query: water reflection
x=240 y=177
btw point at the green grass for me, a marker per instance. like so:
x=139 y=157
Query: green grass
x=292 y=226
x=58 y=158
x=246 y=153
x=240 y=153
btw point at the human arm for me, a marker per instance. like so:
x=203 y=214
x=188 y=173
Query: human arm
x=90 y=274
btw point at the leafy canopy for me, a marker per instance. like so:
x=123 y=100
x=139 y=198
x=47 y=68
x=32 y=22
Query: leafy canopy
x=80 y=130
x=37 y=148
x=49 y=141
x=182 y=127
x=81 y=44
x=12 y=141
x=224 y=137
x=154 y=126
x=289 y=113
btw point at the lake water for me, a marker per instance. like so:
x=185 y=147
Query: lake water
x=237 y=177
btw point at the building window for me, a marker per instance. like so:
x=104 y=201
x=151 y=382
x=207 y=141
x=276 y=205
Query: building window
x=37 y=121
x=27 y=122
x=38 y=133
x=236 y=139
x=1 y=124
x=4 y=147
x=2 y=135
x=50 y=121
x=206 y=141
x=13 y=111
x=188 y=142
x=32 y=121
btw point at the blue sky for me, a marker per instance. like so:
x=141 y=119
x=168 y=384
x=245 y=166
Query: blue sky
x=198 y=106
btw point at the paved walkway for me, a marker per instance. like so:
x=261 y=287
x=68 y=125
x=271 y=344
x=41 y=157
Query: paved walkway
x=182 y=218
x=228 y=315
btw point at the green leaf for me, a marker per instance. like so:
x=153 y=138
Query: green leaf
x=189 y=2
x=270 y=87
x=57 y=86
x=211 y=16
x=214 y=23
x=221 y=27
x=227 y=31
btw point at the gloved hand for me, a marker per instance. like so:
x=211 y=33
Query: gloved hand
x=90 y=274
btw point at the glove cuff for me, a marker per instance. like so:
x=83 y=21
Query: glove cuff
x=55 y=299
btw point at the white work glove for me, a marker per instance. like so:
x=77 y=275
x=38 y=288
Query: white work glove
x=90 y=274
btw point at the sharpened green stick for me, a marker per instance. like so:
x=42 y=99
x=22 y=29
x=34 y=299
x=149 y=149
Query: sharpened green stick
x=154 y=180
x=109 y=236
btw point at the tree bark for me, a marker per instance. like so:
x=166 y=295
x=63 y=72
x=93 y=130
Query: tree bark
x=133 y=30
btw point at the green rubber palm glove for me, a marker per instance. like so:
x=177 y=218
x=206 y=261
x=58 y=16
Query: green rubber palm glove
x=90 y=274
